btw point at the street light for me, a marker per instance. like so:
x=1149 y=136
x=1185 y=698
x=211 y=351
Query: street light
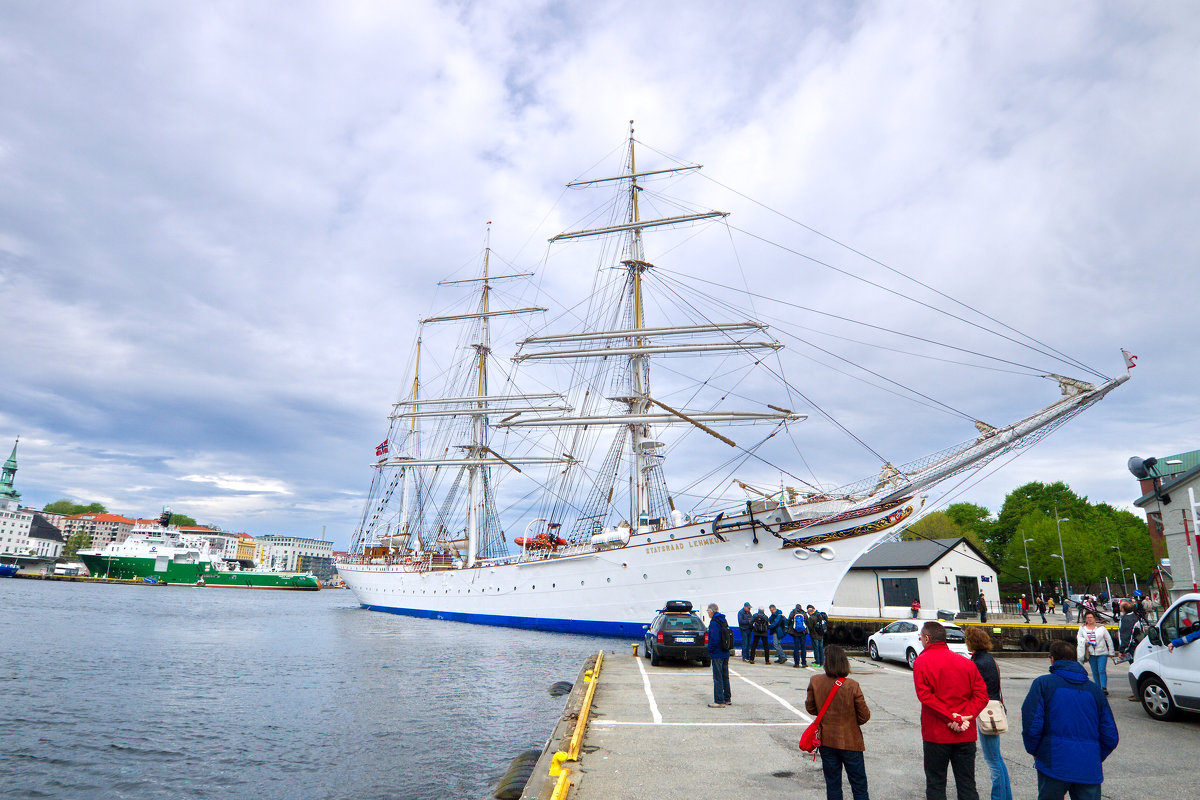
x=1124 y=587
x=1029 y=572
x=1058 y=527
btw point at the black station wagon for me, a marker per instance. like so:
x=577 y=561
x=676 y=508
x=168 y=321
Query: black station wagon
x=676 y=632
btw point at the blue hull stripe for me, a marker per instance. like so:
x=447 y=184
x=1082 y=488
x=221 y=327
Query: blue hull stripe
x=588 y=626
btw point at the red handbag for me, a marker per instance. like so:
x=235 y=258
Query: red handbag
x=810 y=740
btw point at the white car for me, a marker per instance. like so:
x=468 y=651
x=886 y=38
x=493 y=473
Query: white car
x=900 y=641
x=1168 y=682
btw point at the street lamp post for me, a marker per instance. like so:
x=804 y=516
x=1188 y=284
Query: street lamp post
x=1058 y=527
x=1124 y=587
x=1028 y=571
x=1067 y=590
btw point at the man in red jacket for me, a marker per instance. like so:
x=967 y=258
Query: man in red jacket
x=952 y=694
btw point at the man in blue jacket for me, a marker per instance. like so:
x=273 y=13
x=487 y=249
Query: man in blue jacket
x=744 y=624
x=719 y=657
x=778 y=627
x=1068 y=728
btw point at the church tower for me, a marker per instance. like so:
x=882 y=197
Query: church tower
x=9 y=497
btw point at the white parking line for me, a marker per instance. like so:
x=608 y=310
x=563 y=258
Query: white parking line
x=654 y=713
x=776 y=697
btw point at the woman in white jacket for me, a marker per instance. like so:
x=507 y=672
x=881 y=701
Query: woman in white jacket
x=1094 y=646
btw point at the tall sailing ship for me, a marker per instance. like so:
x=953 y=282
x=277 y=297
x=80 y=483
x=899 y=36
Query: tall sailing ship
x=605 y=540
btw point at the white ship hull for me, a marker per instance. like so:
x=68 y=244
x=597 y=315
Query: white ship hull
x=614 y=592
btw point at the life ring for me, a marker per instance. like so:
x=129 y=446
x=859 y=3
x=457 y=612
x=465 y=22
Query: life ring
x=841 y=634
x=1029 y=643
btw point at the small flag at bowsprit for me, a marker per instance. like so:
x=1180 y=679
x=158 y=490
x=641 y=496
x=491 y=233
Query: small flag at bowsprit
x=1130 y=359
x=381 y=448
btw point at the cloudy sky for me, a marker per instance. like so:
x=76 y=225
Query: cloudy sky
x=219 y=221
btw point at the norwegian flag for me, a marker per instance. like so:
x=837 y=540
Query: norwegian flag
x=381 y=448
x=1130 y=359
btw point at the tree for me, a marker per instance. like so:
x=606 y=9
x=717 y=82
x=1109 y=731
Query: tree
x=69 y=508
x=180 y=520
x=979 y=520
x=1035 y=497
x=940 y=525
x=80 y=540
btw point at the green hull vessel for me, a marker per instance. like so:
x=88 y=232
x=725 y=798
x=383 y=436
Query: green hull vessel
x=163 y=554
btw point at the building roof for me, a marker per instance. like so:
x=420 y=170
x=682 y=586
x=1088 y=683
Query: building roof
x=1178 y=479
x=921 y=554
x=91 y=516
x=42 y=528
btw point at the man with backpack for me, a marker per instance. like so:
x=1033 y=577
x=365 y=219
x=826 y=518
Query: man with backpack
x=759 y=627
x=818 y=626
x=798 y=630
x=744 y=616
x=720 y=647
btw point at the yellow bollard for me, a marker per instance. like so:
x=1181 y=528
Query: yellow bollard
x=556 y=763
x=587 y=676
x=635 y=646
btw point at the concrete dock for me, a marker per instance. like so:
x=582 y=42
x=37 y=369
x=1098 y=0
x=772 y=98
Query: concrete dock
x=651 y=735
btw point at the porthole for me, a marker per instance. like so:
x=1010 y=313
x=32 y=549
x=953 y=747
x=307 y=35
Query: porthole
x=648 y=540
x=581 y=583
x=554 y=586
x=728 y=569
x=689 y=572
x=624 y=565
x=760 y=565
x=645 y=576
x=609 y=580
x=670 y=536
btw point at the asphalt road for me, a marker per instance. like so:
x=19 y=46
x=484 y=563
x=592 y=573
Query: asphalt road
x=653 y=736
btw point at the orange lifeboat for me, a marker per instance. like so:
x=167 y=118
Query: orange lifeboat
x=543 y=541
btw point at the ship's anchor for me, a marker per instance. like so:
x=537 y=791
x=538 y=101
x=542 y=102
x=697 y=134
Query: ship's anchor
x=754 y=524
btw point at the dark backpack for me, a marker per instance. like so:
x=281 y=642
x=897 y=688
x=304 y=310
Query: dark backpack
x=758 y=623
x=726 y=636
x=820 y=625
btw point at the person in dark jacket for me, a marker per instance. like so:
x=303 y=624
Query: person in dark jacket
x=777 y=623
x=1127 y=631
x=798 y=630
x=842 y=742
x=744 y=617
x=1068 y=728
x=818 y=626
x=979 y=644
x=718 y=656
x=981 y=607
x=759 y=630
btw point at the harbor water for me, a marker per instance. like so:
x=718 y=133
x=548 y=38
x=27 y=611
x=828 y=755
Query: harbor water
x=112 y=691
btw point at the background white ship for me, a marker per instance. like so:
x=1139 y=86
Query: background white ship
x=564 y=436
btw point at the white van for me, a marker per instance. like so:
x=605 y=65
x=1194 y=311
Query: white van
x=1168 y=682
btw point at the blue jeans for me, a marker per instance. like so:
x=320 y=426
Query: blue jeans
x=779 y=654
x=832 y=761
x=1099 y=665
x=720 y=668
x=1054 y=789
x=799 y=651
x=818 y=650
x=746 y=643
x=989 y=745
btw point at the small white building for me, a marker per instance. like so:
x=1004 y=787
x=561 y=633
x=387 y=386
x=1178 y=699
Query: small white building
x=944 y=574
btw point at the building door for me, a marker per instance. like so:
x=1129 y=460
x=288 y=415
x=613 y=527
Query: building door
x=968 y=593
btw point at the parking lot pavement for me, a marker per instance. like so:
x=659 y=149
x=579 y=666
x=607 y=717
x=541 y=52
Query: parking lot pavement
x=652 y=735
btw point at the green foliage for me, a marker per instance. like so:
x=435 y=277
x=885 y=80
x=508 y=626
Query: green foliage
x=70 y=508
x=80 y=540
x=940 y=525
x=978 y=520
x=182 y=520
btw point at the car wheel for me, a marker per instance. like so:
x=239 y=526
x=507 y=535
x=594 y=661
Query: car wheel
x=910 y=657
x=873 y=651
x=1157 y=700
x=654 y=659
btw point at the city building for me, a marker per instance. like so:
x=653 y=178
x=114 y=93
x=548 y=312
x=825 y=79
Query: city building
x=295 y=554
x=944 y=574
x=103 y=528
x=45 y=539
x=15 y=522
x=1171 y=501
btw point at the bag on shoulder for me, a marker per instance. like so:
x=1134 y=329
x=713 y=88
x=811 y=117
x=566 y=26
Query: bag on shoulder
x=992 y=719
x=810 y=740
x=759 y=623
x=820 y=625
x=726 y=636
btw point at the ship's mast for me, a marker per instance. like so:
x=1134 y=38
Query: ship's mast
x=479 y=427
x=639 y=364
x=413 y=449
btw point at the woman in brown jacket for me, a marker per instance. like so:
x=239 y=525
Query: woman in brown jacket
x=841 y=737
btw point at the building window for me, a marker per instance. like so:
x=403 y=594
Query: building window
x=899 y=591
